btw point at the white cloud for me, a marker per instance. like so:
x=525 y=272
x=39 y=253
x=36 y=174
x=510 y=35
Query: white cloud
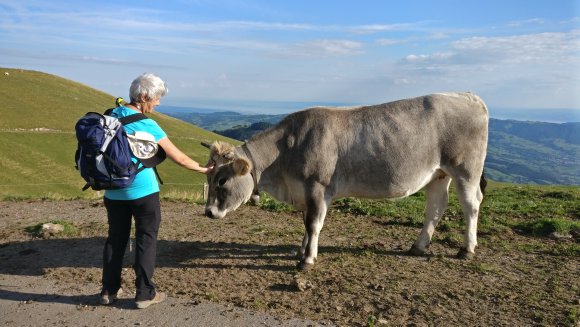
x=541 y=47
x=438 y=35
x=389 y=42
x=532 y=21
x=404 y=81
x=439 y=57
x=530 y=48
x=377 y=28
x=574 y=20
x=530 y=70
x=323 y=48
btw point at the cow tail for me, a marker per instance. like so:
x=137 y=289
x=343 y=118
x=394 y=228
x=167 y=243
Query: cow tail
x=482 y=183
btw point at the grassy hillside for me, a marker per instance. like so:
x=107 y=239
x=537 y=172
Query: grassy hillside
x=534 y=152
x=37 y=141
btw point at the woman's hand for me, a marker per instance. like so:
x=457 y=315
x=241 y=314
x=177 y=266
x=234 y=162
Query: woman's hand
x=210 y=166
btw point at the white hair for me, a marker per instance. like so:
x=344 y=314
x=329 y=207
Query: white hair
x=148 y=85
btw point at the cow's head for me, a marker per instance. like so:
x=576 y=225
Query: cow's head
x=230 y=182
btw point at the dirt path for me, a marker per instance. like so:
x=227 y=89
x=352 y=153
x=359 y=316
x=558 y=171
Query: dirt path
x=38 y=301
x=240 y=271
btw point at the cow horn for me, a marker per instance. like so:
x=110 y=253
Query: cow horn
x=206 y=145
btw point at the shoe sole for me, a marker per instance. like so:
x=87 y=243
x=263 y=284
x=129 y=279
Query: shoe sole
x=107 y=299
x=159 y=297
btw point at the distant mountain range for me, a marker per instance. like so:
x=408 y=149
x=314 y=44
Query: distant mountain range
x=521 y=152
x=534 y=152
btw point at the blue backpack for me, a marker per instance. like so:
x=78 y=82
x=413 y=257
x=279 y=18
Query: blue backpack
x=103 y=155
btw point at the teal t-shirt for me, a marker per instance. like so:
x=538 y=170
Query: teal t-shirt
x=145 y=182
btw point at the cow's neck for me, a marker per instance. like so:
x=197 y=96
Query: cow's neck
x=248 y=154
x=261 y=151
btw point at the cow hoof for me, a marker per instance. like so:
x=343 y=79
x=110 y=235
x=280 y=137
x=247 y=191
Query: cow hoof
x=415 y=251
x=463 y=254
x=303 y=266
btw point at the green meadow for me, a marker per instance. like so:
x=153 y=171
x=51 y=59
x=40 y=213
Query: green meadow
x=532 y=210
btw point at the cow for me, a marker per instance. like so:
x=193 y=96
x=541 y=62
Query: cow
x=389 y=150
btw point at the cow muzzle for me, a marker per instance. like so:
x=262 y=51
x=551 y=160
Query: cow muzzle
x=214 y=214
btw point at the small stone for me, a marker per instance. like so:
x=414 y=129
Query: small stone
x=302 y=284
x=560 y=236
x=50 y=229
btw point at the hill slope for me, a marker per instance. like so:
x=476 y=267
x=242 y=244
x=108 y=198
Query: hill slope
x=224 y=120
x=534 y=152
x=37 y=142
x=519 y=151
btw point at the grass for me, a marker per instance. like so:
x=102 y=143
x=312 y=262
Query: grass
x=38 y=143
x=41 y=166
x=547 y=226
x=484 y=268
x=212 y=296
x=182 y=195
x=532 y=210
x=410 y=210
x=268 y=203
x=573 y=316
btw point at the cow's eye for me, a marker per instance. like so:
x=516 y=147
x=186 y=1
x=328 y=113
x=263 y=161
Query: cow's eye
x=221 y=182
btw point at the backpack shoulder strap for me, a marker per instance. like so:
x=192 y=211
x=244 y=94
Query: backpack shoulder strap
x=132 y=118
x=157 y=174
x=127 y=119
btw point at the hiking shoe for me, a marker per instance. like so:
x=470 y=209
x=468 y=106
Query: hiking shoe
x=106 y=298
x=159 y=297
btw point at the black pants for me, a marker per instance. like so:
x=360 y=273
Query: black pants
x=147 y=214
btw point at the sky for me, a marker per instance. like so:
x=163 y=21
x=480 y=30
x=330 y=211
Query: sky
x=516 y=54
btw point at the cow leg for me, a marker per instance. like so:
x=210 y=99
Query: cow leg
x=437 y=194
x=302 y=252
x=313 y=221
x=470 y=197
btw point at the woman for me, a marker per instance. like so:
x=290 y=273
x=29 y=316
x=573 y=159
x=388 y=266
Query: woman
x=140 y=200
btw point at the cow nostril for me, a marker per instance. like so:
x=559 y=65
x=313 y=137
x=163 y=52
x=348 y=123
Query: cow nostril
x=208 y=213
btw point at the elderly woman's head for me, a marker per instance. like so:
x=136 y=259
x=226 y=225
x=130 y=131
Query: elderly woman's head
x=146 y=90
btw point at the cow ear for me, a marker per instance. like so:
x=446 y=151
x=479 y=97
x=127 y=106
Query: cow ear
x=241 y=166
